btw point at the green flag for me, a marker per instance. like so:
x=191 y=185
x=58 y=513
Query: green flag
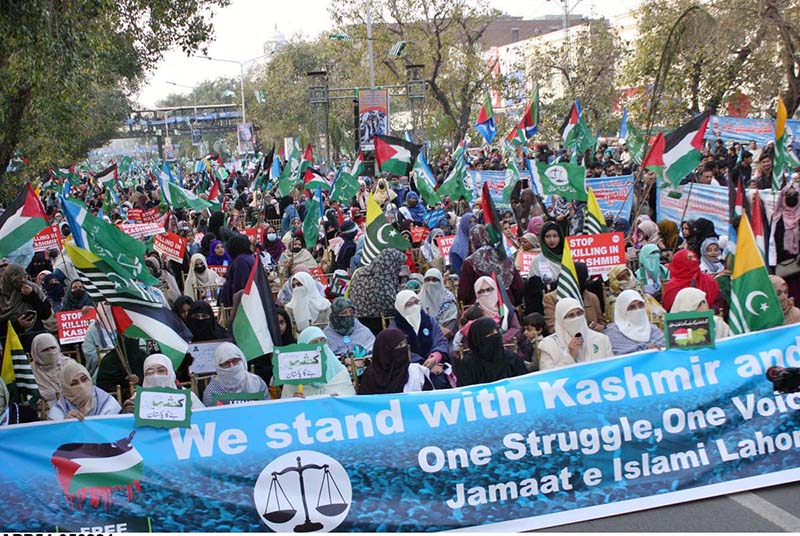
x=512 y=178
x=784 y=159
x=562 y=178
x=425 y=181
x=344 y=187
x=311 y=221
x=456 y=183
x=289 y=176
x=636 y=144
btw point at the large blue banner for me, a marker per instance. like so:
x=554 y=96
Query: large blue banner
x=545 y=449
x=614 y=194
x=496 y=180
x=746 y=129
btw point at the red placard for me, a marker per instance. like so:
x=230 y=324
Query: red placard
x=171 y=245
x=135 y=214
x=220 y=270
x=319 y=275
x=151 y=215
x=445 y=243
x=527 y=262
x=258 y=232
x=142 y=230
x=73 y=325
x=600 y=252
x=419 y=233
x=48 y=238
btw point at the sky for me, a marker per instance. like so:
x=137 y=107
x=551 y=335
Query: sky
x=241 y=29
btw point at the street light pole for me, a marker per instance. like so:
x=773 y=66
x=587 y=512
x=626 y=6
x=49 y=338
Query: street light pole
x=241 y=65
x=194 y=97
x=369 y=48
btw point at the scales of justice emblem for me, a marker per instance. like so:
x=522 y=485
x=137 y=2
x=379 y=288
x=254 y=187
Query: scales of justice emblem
x=303 y=491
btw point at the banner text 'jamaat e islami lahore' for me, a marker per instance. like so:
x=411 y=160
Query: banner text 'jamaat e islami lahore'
x=544 y=449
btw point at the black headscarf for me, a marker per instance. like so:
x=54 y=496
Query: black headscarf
x=216 y=221
x=205 y=243
x=388 y=372
x=486 y=361
x=204 y=330
x=238 y=244
x=287 y=337
x=702 y=228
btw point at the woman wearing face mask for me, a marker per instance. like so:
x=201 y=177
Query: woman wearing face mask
x=652 y=275
x=693 y=299
x=239 y=270
x=391 y=370
x=787 y=238
x=485 y=261
x=337 y=380
x=54 y=290
x=79 y=398
x=203 y=325
x=545 y=268
x=200 y=279
x=430 y=250
x=373 y=288
x=46 y=364
x=307 y=305
x=158 y=372
x=429 y=346
x=23 y=303
x=218 y=256
x=631 y=330
x=272 y=244
x=232 y=376
x=439 y=302
x=488 y=299
x=791 y=314
x=684 y=271
x=573 y=341
x=345 y=333
x=296 y=256
x=487 y=360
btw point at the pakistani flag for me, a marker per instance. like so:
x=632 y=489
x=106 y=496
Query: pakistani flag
x=568 y=286
x=155 y=323
x=394 y=155
x=512 y=178
x=289 y=176
x=177 y=197
x=380 y=234
x=485 y=124
x=311 y=220
x=255 y=325
x=562 y=178
x=784 y=159
x=359 y=169
x=345 y=186
x=16 y=369
x=23 y=219
x=673 y=156
x=595 y=222
x=425 y=181
x=458 y=184
x=95 y=470
x=754 y=305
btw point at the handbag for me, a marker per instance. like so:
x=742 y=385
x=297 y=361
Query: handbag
x=788 y=268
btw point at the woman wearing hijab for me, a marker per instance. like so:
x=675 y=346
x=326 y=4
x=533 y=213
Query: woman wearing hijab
x=791 y=314
x=702 y=228
x=460 y=248
x=684 y=271
x=428 y=344
x=296 y=256
x=652 y=275
x=273 y=244
x=535 y=225
x=337 y=380
x=285 y=327
x=439 y=302
x=239 y=270
x=391 y=369
x=76 y=299
x=487 y=360
x=787 y=238
x=573 y=341
x=158 y=372
x=345 y=333
x=373 y=288
x=484 y=261
x=647 y=233
x=203 y=325
x=200 y=280
x=232 y=376
x=54 y=290
x=620 y=278
x=218 y=255
x=692 y=299
x=669 y=234
x=545 y=267
x=79 y=398
x=528 y=245
x=632 y=330
x=430 y=249
x=592 y=308
x=23 y=303
x=307 y=305
x=488 y=299
x=46 y=364
x=710 y=252
x=182 y=306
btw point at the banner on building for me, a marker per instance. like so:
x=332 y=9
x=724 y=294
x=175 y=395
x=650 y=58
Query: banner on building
x=373 y=116
x=545 y=449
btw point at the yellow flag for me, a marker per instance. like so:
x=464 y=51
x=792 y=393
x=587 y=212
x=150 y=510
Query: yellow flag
x=12 y=344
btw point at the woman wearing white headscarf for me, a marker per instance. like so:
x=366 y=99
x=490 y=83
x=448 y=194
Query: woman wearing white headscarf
x=694 y=299
x=488 y=298
x=199 y=277
x=232 y=376
x=79 y=398
x=47 y=362
x=158 y=372
x=430 y=249
x=307 y=305
x=632 y=330
x=336 y=381
x=439 y=302
x=573 y=341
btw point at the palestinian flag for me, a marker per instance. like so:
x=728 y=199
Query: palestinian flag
x=177 y=197
x=214 y=195
x=754 y=304
x=108 y=176
x=359 y=169
x=311 y=220
x=380 y=234
x=344 y=187
x=486 y=125
x=96 y=470
x=512 y=178
x=567 y=286
x=16 y=369
x=306 y=162
x=759 y=226
x=529 y=124
x=574 y=131
x=595 y=222
x=255 y=325
x=22 y=220
x=492 y=221
x=313 y=179
x=394 y=155
x=425 y=181
x=156 y=323
x=673 y=156
x=516 y=136
x=783 y=159
x=458 y=184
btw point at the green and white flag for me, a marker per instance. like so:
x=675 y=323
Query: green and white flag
x=562 y=178
x=177 y=197
x=512 y=178
x=290 y=174
x=425 y=181
x=457 y=184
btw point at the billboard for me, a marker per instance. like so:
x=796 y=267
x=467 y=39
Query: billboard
x=373 y=116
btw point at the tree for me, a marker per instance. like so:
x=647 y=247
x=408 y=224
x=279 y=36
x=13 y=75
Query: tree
x=67 y=68
x=222 y=90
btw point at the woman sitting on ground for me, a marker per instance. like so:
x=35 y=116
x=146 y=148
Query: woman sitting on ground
x=573 y=341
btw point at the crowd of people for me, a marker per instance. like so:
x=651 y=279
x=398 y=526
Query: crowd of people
x=409 y=320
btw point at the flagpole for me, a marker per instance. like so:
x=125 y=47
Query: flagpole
x=108 y=323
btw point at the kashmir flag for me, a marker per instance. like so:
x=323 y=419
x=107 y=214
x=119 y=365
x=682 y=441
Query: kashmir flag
x=108 y=176
x=512 y=178
x=344 y=187
x=313 y=179
x=358 y=169
x=380 y=234
x=289 y=176
x=311 y=220
x=123 y=254
x=529 y=124
x=783 y=159
x=754 y=304
x=177 y=197
x=492 y=221
x=485 y=124
x=595 y=222
x=156 y=323
x=574 y=131
x=456 y=183
x=23 y=219
x=425 y=181
x=255 y=325
x=394 y=155
x=16 y=369
x=565 y=179
x=568 y=286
